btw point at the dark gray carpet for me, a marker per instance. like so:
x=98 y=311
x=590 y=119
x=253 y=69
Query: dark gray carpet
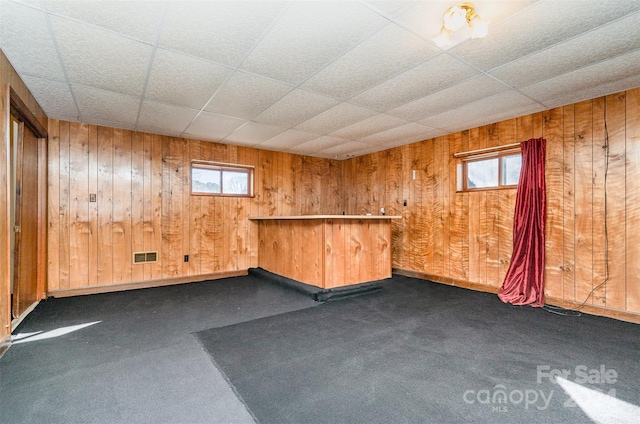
x=141 y=363
x=421 y=352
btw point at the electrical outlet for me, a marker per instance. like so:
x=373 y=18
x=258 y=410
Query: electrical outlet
x=186 y=258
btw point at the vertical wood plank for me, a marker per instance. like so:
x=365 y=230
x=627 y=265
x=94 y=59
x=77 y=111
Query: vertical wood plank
x=355 y=249
x=137 y=202
x=154 y=270
x=78 y=205
x=459 y=214
x=41 y=224
x=407 y=215
x=428 y=208
x=598 y=298
x=616 y=289
x=447 y=194
x=122 y=199
x=185 y=175
x=568 y=216
x=147 y=195
x=394 y=201
x=553 y=133
x=65 y=216
x=632 y=200
x=437 y=186
x=416 y=219
x=583 y=201
x=53 y=205
x=93 y=206
x=217 y=235
x=231 y=232
x=105 y=206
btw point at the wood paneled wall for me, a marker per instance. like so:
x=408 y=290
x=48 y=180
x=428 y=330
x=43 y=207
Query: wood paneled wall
x=9 y=79
x=143 y=203
x=466 y=238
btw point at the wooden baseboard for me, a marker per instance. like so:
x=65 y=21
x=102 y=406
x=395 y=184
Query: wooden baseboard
x=587 y=309
x=595 y=310
x=79 y=291
x=446 y=280
x=5 y=342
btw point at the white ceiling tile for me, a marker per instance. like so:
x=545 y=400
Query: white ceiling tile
x=209 y=126
x=404 y=134
x=389 y=7
x=287 y=140
x=164 y=119
x=53 y=96
x=137 y=19
x=493 y=105
x=434 y=75
x=321 y=143
x=246 y=95
x=19 y=41
x=377 y=123
x=388 y=52
x=221 y=31
x=294 y=108
x=573 y=84
x=308 y=36
x=606 y=42
x=252 y=133
x=340 y=151
x=490 y=119
x=184 y=80
x=603 y=89
x=106 y=106
x=335 y=118
x=546 y=23
x=98 y=58
x=449 y=98
x=330 y=146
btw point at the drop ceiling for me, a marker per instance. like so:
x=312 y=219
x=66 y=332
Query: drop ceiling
x=331 y=79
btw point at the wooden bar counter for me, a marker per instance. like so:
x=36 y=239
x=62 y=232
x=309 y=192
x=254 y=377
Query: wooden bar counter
x=326 y=251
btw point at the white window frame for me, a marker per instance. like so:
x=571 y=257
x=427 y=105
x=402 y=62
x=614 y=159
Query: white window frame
x=469 y=157
x=222 y=167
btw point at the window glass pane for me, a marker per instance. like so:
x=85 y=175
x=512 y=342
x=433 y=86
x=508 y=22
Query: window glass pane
x=482 y=173
x=205 y=180
x=511 y=169
x=235 y=182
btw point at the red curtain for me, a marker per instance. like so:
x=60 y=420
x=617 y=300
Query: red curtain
x=524 y=282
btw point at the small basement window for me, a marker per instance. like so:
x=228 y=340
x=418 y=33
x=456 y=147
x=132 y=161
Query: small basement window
x=489 y=170
x=221 y=179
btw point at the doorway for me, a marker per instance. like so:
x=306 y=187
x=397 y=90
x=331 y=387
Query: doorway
x=28 y=202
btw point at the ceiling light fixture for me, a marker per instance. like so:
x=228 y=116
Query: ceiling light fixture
x=455 y=17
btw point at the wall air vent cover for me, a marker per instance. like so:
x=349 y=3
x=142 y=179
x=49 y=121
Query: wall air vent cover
x=145 y=257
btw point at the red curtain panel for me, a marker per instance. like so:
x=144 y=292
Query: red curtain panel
x=524 y=282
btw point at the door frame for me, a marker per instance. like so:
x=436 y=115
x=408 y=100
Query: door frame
x=21 y=112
